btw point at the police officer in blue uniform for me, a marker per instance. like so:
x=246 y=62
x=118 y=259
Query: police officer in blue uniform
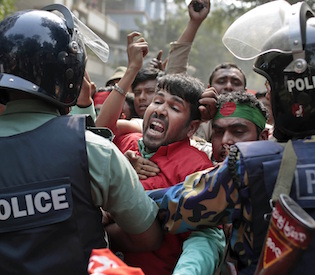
x=55 y=175
x=282 y=39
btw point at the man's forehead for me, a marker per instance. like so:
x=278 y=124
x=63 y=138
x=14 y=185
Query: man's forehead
x=166 y=94
x=231 y=122
x=229 y=72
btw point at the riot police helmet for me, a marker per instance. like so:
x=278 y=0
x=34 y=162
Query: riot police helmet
x=285 y=56
x=41 y=53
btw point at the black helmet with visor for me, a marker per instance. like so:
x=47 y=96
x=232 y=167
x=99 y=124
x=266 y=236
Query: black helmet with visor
x=282 y=39
x=42 y=52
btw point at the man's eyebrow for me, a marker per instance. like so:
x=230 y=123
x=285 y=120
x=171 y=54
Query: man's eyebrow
x=178 y=99
x=223 y=77
x=236 y=78
x=217 y=126
x=238 y=125
x=160 y=93
x=234 y=125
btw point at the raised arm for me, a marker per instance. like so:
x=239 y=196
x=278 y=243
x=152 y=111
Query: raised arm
x=85 y=102
x=179 y=52
x=196 y=18
x=111 y=109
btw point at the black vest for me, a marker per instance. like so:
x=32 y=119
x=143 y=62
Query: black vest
x=48 y=222
x=262 y=162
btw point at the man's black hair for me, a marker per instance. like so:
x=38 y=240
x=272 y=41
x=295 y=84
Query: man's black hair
x=146 y=73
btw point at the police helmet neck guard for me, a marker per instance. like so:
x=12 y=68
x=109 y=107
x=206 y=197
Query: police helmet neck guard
x=286 y=58
x=41 y=53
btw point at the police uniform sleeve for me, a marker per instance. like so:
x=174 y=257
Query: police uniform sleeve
x=205 y=198
x=89 y=110
x=116 y=187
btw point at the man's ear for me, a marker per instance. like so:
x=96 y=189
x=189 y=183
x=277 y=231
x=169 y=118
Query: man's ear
x=192 y=128
x=264 y=135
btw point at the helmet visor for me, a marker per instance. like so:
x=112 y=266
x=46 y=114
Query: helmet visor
x=247 y=36
x=88 y=37
x=93 y=41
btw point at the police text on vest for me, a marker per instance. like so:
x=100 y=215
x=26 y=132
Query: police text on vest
x=42 y=202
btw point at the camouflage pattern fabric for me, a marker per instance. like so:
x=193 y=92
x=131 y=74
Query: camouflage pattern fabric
x=207 y=199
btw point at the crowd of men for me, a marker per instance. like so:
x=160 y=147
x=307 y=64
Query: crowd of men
x=172 y=175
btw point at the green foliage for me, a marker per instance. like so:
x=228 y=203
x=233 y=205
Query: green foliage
x=159 y=34
x=6 y=7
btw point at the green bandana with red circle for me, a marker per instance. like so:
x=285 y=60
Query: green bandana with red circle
x=232 y=109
